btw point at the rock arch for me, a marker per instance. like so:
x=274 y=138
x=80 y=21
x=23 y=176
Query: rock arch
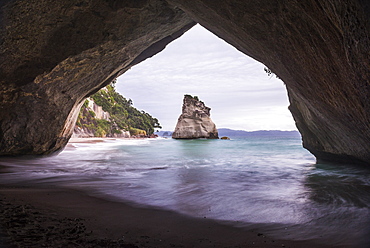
x=55 y=53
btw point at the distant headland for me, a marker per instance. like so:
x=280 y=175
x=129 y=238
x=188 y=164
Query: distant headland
x=242 y=133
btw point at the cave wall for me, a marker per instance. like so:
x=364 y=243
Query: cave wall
x=320 y=49
x=55 y=53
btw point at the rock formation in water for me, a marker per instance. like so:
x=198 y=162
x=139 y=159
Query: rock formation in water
x=320 y=49
x=53 y=54
x=195 y=121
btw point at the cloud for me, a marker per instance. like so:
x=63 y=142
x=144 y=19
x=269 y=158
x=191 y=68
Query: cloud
x=240 y=93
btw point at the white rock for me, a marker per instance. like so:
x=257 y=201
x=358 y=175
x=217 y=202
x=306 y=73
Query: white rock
x=195 y=121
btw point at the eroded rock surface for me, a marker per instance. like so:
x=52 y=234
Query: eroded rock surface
x=320 y=49
x=195 y=121
x=55 y=53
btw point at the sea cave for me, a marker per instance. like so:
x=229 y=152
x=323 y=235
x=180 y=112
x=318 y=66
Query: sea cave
x=55 y=54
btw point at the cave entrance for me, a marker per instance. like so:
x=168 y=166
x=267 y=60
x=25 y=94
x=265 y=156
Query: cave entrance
x=242 y=96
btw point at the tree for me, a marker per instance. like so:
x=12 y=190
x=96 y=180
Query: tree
x=123 y=115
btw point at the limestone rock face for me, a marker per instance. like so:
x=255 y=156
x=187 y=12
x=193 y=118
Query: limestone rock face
x=320 y=49
x=53 y=54
x=98 y=110
x=195 y=121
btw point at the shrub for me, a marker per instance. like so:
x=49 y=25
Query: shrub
x=122 y=115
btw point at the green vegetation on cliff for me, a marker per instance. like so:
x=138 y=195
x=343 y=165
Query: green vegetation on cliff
x=122 y=115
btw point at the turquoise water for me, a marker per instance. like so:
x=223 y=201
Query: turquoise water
x=254 y=181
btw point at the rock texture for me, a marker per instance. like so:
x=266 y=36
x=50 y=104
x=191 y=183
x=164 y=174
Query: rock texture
x=55 y=53
x=99 y=113
x=195 y=121
x=320 y=49
x=98 y=110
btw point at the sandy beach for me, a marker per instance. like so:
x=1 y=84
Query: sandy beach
x=55 y=217
x=94 y=140
x=64 y=217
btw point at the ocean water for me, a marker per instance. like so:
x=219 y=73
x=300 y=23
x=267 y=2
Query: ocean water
x=269 y=182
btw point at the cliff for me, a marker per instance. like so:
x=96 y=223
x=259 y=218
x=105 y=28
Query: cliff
x=195 y=121
x=93 y=121
x=109 y=114
x=54 y=54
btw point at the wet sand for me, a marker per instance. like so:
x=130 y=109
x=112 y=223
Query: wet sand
x=97 y=140
x=54 y=217
x=91 y=140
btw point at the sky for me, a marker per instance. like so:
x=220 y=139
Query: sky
x=236 y=88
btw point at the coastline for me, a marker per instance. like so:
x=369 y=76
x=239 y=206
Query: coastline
x=61 y=217
x=95 y=140
x=100 y=139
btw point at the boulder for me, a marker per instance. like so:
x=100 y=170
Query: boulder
x=82 y=133
x=195 y=121
x=122 y=134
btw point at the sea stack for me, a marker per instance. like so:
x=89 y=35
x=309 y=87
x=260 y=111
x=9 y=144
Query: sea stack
x=195 y=121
